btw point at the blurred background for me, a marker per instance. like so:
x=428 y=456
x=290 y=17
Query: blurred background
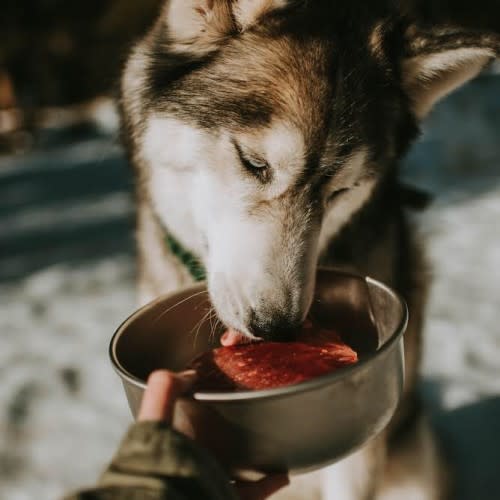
x=67 y=264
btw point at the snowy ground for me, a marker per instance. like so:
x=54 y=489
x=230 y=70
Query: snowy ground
x=67 y=280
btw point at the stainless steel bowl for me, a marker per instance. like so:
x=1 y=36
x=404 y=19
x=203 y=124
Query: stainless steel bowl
x=295 y=428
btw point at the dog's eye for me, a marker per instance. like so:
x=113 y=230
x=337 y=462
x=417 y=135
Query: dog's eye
x=258 y=167
x=336 y=194
x=257 y=164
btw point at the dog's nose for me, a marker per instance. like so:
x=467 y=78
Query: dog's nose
x=277 y=327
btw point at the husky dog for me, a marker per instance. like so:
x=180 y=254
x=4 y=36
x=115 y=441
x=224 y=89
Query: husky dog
x=266 y=136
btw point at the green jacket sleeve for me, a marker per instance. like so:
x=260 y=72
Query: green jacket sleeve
x=156 y=462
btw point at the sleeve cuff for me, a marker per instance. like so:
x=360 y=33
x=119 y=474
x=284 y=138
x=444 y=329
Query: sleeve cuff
x=156 y=450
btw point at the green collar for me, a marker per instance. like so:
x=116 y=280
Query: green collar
x=190 y=261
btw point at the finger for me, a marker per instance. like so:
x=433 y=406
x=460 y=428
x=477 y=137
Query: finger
x=163 y=388
x=262 y=489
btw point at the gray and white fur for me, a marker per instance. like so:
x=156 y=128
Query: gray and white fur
x=266 y=136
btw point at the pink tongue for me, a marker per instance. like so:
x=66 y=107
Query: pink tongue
x=232 y=337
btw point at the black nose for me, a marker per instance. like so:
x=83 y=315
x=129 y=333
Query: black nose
x=277 y=327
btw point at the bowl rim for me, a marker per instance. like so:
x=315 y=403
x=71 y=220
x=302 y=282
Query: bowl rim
x=317 y=382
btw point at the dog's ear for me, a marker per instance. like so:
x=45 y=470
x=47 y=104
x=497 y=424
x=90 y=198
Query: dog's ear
x=438 y=60
x=248 y=12
x=200 y=26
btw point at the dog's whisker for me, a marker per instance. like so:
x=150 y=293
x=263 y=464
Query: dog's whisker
x=213 y=315
x=210 y=319
x=218 y=323
x=199 y=324
x=203 y=318
x=213 y=324
x=179 y=303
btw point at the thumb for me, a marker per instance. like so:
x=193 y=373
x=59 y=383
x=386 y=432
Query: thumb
x=263 y=488
x=162 y=390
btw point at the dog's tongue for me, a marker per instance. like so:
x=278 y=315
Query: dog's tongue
x=233 y=337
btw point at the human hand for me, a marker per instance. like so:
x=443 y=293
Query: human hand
x=158 y=402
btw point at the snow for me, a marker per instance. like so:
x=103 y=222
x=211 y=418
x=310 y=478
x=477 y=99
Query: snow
x=63 y=409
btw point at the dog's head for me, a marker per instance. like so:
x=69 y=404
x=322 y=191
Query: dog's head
x=262 y=126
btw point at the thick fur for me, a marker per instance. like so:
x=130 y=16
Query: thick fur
x=266 y=136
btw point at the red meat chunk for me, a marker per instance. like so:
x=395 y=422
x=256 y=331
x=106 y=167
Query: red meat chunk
x=266 y=365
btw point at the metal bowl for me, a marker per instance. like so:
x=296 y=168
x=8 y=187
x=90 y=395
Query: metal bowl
x=296 y=428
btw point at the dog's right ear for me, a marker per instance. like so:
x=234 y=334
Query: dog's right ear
x=198 y=26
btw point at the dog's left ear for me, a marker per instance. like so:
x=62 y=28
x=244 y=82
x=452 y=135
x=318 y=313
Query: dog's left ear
x=438 y=60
